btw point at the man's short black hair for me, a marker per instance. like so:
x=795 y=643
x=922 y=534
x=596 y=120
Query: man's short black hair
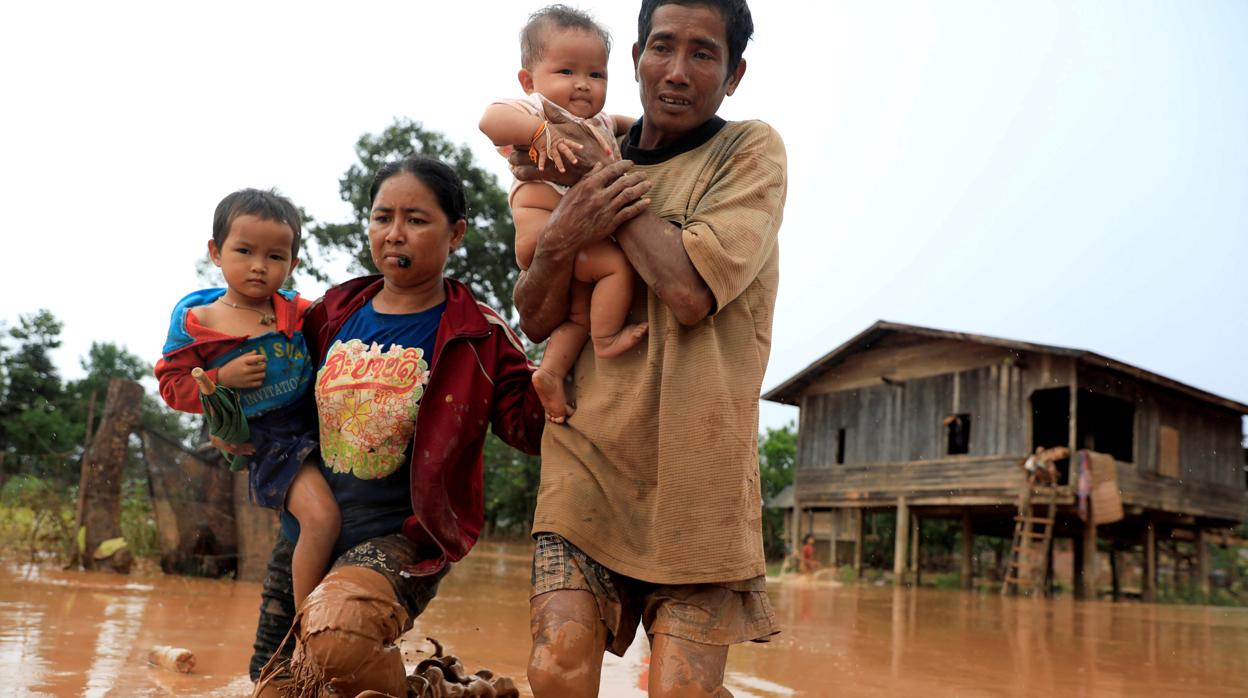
x=737 y=20
x=533 y=35
x=265 y=205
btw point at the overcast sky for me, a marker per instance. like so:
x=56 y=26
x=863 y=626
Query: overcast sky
x=1072 y=173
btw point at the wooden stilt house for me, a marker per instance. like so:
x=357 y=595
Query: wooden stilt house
x=935 y=424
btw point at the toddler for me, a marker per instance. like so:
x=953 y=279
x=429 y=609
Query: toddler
x=563 y=54
x=248 y=336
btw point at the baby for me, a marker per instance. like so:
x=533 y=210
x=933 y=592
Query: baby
x=248 y=336
x=564 y=57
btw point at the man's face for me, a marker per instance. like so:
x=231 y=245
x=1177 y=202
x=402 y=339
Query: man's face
x=683 y=71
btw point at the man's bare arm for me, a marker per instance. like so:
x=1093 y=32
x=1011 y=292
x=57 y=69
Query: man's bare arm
x=591 y=210
x=656 y=249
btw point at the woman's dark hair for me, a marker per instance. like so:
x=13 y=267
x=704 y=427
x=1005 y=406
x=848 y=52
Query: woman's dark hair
x=737 y=20
x=441 y=179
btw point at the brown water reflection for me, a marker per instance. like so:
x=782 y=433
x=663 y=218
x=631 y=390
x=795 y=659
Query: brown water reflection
x=81 y=634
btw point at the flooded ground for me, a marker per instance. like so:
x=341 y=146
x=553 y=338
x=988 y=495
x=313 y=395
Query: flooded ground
x=80 y=634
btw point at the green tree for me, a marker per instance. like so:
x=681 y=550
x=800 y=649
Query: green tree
x=105 y=361
x=36 y=434
x=511 y=481
x=486 y=260
x=777 y=453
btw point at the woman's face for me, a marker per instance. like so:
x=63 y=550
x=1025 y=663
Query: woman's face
x=408 y=234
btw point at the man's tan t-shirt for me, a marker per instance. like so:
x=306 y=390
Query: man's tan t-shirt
x=655 y=476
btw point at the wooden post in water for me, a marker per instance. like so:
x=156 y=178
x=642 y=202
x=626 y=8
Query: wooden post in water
x=859 y=540
x=1088 y=584
x=1076 y=565
x=1113 y=571
x=103 y=463
x=797 y=528
x=916 y=536
x=1149 y=584
x=834 y=515
x=968 y=548
x=1203 y=583
x=902 y=542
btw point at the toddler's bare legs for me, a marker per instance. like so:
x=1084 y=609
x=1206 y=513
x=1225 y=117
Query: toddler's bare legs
x=561 y=352
x=605 y=266
x=312 y=503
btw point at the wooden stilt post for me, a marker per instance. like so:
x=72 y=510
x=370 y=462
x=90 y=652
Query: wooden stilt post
x=796 y=532
x=968 y=548
x=1076 y=565
x=1202 y=564
x=901 y=536
x=1149 y=590
x=916 y=536
x=1048 y=570
x=859 y=540
x=1089 y=556
x=1113 y=571
x=835 y=515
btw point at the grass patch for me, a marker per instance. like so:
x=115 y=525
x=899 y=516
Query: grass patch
x=37 y=519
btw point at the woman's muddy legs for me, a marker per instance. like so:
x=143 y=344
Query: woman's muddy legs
x=568 y=641
x=682 y=668
x=348 y=632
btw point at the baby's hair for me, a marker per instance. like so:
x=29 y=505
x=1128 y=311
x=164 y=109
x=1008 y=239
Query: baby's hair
x=265 y=205
x=533 y=35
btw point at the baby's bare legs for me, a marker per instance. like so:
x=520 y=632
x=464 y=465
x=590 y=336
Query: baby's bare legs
x=561 y=351
x=605 y=266
x=312 y=503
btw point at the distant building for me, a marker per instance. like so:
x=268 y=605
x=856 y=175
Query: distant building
x=931 y=423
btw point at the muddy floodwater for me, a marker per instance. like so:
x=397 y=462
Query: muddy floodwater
x=80 y=634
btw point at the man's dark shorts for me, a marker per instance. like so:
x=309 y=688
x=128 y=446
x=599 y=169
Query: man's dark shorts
x=711 y=614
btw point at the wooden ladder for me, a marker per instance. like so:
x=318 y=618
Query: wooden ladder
x=1033 y=538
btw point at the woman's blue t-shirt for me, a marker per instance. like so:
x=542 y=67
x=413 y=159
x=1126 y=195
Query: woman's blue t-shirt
x=368 y=392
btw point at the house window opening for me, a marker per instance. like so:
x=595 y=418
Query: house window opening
x=840 y=446
x=958 y=428
x=1107 y=425
x=1050 y=424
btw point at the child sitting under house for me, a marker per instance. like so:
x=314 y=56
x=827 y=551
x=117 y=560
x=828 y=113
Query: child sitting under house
x=248 y=336
x=563 y=54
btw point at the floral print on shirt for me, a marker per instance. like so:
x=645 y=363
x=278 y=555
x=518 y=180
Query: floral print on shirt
x=368 y=400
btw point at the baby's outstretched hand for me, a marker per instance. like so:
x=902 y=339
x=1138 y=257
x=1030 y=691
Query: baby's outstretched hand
x=551 y=145
x=246 y=371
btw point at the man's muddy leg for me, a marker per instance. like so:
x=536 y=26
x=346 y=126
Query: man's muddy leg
x=682 y=668
x=568 y=641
